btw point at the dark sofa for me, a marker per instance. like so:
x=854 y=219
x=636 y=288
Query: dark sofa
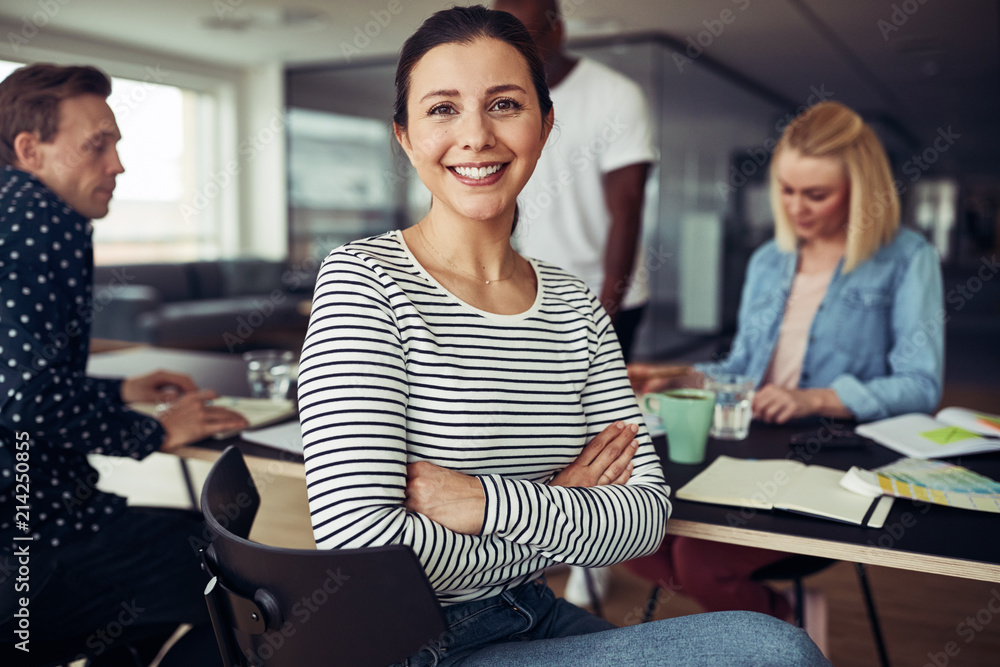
x=232 y=305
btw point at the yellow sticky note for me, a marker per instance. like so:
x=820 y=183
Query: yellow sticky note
x=949 y=434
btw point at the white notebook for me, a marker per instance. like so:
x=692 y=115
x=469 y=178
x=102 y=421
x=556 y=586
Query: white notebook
x=786 y=485
x=952 y=432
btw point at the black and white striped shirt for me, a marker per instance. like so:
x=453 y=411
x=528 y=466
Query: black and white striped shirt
x=395 y=369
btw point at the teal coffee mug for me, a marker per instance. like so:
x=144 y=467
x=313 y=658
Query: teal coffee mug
x=687 y=417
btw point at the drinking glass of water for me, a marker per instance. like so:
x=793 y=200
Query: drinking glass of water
x=269 y=373
x=733 y=405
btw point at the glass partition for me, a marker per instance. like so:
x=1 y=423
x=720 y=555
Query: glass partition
x=713 y=136
x=337 y=185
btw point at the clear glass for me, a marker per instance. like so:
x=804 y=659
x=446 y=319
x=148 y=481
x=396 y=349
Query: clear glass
x=733 y=405
x=269 y=373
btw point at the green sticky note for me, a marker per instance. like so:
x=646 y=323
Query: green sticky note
x=949 y=434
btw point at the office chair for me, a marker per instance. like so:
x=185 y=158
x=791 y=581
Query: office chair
x=795 y=568
x=278 y=607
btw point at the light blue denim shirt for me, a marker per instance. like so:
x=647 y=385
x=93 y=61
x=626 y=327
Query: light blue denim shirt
x=877 y=338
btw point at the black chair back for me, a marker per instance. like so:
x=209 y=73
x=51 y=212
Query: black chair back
x=280 y=607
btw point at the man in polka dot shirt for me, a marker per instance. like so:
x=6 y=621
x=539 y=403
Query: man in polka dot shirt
x=91 y=555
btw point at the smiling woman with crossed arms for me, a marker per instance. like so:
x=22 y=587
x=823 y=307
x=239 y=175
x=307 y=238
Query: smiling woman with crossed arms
x=473 y=404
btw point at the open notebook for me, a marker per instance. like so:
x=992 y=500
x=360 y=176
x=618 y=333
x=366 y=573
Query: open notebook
x=786 y=485
x=951 y=432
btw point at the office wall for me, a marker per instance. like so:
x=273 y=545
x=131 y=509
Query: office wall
x=704 y=125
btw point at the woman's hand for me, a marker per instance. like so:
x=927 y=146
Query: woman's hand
x=607 y=459
x=156 y=387
x=453 y=499
x=649 y=378
x=190 y=419
x=774 y=404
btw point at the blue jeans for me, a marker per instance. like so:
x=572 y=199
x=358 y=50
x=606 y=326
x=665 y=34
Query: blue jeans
x=528 y=625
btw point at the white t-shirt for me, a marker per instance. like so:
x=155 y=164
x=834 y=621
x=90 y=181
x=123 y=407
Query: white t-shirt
x=601 y=124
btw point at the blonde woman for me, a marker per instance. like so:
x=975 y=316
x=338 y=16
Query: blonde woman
x=841 y=315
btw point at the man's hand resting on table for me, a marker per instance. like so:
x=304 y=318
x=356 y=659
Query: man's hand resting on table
x=157 y=387
x=190 y=419
x=186 y=415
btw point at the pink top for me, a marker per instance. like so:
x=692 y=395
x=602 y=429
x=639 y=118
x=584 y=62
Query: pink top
x=808 y=290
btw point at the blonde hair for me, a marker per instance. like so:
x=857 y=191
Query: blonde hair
x=830 y=129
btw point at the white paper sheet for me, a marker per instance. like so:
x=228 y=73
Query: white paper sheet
x=286 y=437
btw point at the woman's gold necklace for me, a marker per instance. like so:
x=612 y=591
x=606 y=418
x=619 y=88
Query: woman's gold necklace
x=447 y=261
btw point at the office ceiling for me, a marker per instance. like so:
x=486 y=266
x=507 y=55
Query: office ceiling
x=926 y=66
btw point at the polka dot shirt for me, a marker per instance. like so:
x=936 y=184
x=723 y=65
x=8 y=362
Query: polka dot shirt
x=46 y=267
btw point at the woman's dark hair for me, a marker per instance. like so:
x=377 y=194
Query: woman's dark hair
x=463 y=25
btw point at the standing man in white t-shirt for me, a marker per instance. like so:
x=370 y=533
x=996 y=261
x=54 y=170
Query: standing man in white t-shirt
x=582 y=208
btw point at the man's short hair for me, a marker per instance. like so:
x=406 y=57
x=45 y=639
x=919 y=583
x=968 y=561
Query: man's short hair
x=30 y=96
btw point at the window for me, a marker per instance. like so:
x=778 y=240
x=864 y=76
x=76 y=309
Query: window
x=160 y=212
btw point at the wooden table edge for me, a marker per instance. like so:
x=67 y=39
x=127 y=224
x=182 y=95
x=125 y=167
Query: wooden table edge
x=854 y=553
x=104 y=345
x=259 y=465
